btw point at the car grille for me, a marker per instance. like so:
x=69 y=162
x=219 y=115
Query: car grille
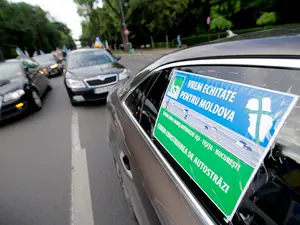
x=98 y=82
x=94 y=97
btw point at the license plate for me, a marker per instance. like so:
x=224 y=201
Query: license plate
x=102 y=90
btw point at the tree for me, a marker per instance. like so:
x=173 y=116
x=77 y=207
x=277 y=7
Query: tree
x=266 y=18
x=220 y=23
x=159 y=19
x=167 y=15
x=29 y=28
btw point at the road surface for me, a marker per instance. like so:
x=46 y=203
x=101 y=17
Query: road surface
x=40 y=152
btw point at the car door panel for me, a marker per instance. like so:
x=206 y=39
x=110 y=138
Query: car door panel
x=137 y=181
x=162 y=192
x=39 y=79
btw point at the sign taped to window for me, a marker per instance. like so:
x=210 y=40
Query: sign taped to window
x=219 y=132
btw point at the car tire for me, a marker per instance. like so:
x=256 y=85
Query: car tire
x=37 y=103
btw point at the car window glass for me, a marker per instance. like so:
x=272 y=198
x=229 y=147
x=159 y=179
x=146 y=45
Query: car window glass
x=10 y=70
x=133 y=101
x=89 y=58
x=273 y=197
x=152 y=101
x=29 y=63
x=45 y=59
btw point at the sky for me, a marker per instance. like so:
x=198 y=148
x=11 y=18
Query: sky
x=61 y=10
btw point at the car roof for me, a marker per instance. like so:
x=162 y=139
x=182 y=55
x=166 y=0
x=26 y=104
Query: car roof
x=44 y=54
x=86 y=50
x=274 y=43
x=12 y=60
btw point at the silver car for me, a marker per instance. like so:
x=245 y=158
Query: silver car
x=159 y=188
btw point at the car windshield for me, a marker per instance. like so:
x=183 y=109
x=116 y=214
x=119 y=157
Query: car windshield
x=10 y=71
x=90 y=58
x=47 y=58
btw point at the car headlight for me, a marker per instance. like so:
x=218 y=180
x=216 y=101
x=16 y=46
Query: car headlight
x=54 y=66
x=14 y=95
x=123 y=75
x=75 y=83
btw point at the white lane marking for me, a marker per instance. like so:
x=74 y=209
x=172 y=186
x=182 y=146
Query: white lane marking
x=81 y=204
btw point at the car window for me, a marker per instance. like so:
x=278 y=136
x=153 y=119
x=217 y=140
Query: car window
x=151 y=101
x=46 y=58
x=277 y=182
x=145 y=100
x=273 y=197
x=88 y=58
x=10 y=70
x=134 y=100
x=29 y=63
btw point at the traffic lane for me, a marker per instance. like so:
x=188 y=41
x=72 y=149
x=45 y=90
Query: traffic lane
x=108 y=202
x=135 y=63
x=35 y=162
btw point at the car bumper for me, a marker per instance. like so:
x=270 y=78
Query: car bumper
x=54 y=72
x=12 y=109
x=85 y=95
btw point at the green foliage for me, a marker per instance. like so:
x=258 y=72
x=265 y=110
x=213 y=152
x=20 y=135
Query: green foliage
x=27 y=27
x=167 y=14
x=220 y=23
x=149 y=20
x=266 y=18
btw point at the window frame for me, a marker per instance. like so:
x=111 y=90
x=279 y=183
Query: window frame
x=197 y=207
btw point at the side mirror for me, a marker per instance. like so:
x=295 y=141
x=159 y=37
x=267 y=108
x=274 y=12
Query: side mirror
x=117 y=58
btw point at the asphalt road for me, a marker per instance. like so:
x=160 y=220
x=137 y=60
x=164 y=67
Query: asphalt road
x=36 y=162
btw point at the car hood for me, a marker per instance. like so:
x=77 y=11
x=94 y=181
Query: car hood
x=47 y=64
x=11 y=85
x=91 y=71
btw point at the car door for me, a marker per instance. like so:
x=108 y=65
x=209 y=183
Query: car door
x=38 y=78
x=152 y=180
x=133 y=181
x=176 y=198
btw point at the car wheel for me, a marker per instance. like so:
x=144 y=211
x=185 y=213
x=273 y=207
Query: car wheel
x=37 y=103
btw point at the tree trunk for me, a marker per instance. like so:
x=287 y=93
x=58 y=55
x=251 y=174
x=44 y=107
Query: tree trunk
x=218 y=35
x=152 y=42
x=124 y=40
x=167 y=41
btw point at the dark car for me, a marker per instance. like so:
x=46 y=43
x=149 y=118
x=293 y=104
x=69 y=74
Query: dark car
x=22 y=86
x=91 y=74
x=51 y=64
x=160 y=180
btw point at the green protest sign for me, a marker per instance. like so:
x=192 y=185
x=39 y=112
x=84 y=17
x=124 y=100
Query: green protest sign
x=219 y=132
